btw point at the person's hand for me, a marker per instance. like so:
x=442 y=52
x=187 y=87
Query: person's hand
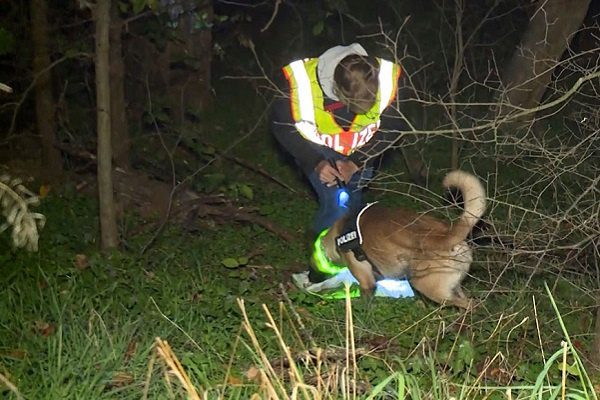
x=347 y=168
x=327 y=173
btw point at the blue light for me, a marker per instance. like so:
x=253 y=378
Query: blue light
x=342 y=198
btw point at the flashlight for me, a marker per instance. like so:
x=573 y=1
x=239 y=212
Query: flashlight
x=342 y=195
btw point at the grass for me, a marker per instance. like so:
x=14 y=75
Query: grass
x=175 y=322
x=333 y=373
x=82 y=330
x=77 y=324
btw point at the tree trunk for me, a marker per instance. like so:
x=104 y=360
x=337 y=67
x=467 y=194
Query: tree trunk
x=120 y=128
x=44 y=102
x=189 y=71
x=108 y=224
x=548 y=35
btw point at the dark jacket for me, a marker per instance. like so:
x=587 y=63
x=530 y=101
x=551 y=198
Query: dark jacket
x=307 y=153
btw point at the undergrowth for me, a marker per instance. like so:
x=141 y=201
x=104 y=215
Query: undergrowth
x=78 y=324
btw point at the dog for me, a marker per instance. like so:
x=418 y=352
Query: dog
x=433 y=254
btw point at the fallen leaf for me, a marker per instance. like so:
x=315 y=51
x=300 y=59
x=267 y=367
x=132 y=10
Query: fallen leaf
x=44 y=190
x=43 y=328
x=15 y=354
x=303 y=312
x=230 y=262
x=253 y=374
x=196 y=297
x=81 y=185
x=81 y=262
x=234 y=380
x=131 y=348
x=121 y=379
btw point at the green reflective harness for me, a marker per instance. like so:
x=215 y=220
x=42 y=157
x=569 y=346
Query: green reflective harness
x=349 y=240
x=320 y=259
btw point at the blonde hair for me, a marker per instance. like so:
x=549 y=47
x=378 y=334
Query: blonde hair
x=356 y=82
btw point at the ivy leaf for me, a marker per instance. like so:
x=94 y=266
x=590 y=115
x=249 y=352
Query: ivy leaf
x=246 y=191
x=230 y=262
x=318 y=28
x=138 y=6
x=208 y=150
x=573 y=370
x=242 y=260
x=464 y=355
x=466 y=351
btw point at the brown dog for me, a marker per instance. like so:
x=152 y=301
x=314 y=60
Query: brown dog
x=431 y=253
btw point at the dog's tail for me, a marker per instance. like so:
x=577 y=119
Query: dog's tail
x=474 y=198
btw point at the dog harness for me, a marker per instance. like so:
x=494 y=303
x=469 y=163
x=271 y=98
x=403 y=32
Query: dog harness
x=351 y=239
x=320 y=259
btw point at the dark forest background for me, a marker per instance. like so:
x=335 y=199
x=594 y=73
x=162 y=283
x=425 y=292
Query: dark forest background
x=143 y=194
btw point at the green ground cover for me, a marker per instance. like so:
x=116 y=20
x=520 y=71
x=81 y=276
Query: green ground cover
x=78 y=324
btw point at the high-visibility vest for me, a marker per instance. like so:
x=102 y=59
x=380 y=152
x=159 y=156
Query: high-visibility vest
x=318 y=125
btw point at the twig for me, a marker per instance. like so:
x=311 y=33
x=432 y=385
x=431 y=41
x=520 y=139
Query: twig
x=268 y=375
x=11 y=387
x=174 y=187
x=148 y=376
x=262 y=172
x=239 y=214
x=286 y=350
x=301 y=325
x=242 y=163
x=176 y=325
x=166 y=353
x=188 y=178
x=34 y=81
x=516 y=116
x=275 y=10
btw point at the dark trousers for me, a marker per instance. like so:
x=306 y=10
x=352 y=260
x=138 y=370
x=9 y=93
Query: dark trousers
x=329 y=210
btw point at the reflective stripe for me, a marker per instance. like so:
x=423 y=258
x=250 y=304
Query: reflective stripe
x=343 y=143
x=386 y=84
x=360 y=239
x=326 y=131
x=309 y=131
x=307 y=110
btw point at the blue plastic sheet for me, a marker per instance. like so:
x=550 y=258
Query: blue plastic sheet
x=334 y=286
